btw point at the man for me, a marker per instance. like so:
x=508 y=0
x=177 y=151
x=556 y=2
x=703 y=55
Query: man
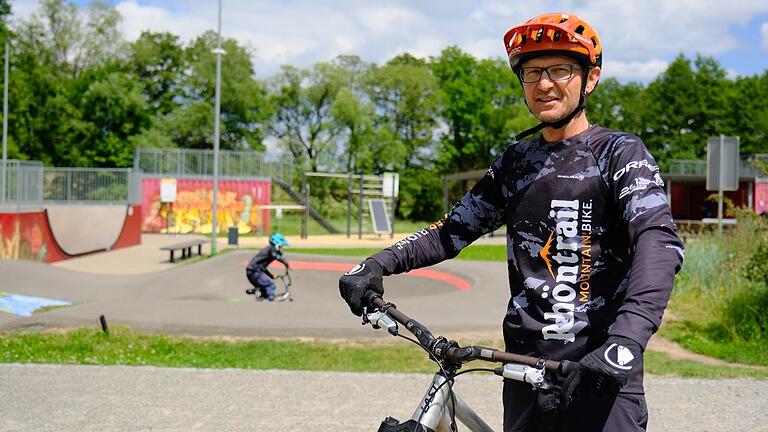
x=258 y=274
x=592 y=249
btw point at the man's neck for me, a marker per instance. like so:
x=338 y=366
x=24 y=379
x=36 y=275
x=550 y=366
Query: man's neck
x=576 y=126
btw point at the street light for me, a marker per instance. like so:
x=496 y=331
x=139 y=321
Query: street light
x=217 y=114
x=5 y=123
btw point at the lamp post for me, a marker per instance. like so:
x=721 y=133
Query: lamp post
x=5 y=123
x=217 y=115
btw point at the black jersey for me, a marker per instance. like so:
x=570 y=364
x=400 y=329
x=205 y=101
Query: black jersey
x=264 y=258
x=591 y=245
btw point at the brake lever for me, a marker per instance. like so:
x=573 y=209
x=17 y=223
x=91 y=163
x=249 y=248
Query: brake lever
x=378 y=319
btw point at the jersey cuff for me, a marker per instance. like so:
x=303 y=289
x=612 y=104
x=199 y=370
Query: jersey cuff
x=633 y=326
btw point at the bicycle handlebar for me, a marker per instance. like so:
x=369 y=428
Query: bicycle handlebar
x=452 y=353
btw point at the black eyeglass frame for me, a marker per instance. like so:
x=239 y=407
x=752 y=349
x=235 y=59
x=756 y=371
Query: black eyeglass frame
x=542 y=70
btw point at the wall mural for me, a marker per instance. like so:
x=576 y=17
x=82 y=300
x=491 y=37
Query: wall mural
x=238 y=206
x=27 y=236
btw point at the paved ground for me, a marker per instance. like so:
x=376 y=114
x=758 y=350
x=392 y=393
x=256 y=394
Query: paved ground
x=116 y=398
x=137 y=287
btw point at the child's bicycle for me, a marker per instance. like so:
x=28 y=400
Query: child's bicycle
x=282 y=288
x=285 y=281
x=441 y=406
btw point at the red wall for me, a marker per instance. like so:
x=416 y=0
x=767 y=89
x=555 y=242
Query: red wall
x=690 y=201
x=761 y=197
x=131 y=234
x=238 y=202
x=28 y=236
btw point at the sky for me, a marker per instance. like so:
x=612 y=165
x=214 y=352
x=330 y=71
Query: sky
x=640 y=38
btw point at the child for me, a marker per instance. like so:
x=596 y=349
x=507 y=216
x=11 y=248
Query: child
x=257 y=272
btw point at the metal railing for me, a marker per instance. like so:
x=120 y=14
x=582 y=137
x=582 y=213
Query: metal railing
x=696 y=167
x=195 y=162
x=32 y=184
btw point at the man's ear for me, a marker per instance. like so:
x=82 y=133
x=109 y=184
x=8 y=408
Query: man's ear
x=592 y=78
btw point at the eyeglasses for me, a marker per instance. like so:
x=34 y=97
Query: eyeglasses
x=559 y=72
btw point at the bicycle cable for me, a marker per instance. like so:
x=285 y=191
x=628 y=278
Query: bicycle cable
x=431 y=394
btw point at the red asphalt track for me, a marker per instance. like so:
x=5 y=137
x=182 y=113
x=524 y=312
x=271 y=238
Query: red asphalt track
x=459 y=283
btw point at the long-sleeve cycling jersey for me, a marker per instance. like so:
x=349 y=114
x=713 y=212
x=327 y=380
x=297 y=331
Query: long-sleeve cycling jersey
x=264 y=258
x=591 y=245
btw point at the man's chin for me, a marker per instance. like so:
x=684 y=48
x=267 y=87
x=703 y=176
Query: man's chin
x=547 y=117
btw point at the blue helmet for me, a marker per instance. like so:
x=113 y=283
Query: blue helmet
x=277 y=239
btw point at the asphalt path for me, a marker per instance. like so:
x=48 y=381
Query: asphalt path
x=207 y=298
x=119 y=398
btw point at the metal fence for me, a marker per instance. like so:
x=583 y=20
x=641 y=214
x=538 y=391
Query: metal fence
x=34 y=184
x=194 y=162
x=696 y=167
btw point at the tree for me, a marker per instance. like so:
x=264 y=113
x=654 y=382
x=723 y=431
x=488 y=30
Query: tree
x=243 y=99
x=405 y=94
x=748 y=108
x=303 y=117
x=685 y=105
x=113 y=107
x=52 y=51
x=71 y=43
x=157 y=59
x=617 y=106
x=5 y=12
x=482 y=108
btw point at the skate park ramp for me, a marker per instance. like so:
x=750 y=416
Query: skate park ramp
x=80 y=229
x=208 y=298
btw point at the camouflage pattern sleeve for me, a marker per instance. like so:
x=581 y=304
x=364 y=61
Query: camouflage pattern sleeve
x=657 y=252
x=480 y=211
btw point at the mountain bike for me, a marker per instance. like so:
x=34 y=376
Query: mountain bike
x=440 y=407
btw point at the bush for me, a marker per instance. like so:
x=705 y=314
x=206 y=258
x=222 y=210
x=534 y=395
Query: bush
x=721 y=294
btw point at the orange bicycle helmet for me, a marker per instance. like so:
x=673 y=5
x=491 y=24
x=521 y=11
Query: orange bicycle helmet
x=553 y=33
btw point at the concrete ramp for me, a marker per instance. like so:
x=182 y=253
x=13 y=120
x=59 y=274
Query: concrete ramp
x=87 y=228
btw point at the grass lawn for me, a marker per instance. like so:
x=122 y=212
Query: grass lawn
x=472 y=252
x=124 y=346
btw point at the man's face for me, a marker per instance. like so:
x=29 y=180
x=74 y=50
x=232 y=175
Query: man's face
x=550 y=100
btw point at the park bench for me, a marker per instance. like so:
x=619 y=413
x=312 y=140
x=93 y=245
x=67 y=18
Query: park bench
x=185 y=248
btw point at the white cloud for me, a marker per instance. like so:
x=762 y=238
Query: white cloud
x=388 y=19
x=634 y=70
x=764 y=32
x=137 y=18
x=639 y=36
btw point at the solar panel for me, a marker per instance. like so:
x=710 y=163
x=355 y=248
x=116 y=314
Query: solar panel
x=379 y=216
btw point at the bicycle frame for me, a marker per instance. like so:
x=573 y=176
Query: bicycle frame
x=440 y=405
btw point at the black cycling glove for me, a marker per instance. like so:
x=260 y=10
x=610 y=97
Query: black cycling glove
x=611 y=364
x=368 y=275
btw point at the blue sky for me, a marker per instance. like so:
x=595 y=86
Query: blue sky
x=639 y=37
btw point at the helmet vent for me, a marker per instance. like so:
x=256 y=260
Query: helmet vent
x=556 y=36
x=539 y=35
x=579 y=29
x=594 y=42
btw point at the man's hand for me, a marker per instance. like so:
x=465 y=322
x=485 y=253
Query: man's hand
x=611 y=364
x=365 y=276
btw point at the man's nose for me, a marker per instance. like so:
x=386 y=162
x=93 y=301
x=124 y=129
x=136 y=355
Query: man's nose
x=545 y=83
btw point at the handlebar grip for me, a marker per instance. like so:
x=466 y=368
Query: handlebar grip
x=371 y=296
x=566 y=367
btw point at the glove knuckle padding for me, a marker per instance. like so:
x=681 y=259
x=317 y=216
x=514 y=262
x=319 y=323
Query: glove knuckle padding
x=612 y=362
x=353 y=284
